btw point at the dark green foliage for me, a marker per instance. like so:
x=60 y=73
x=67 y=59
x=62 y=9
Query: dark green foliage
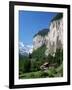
x=57 y=17
x=34 y=65
x=29 y=67
x=44 y=74
x=54 y=72
x=38 y=58
x=42 y=32
x=58 y=56
x=50 y=58
x=60 y=70
x=39 y=53
x=33 y=62
x=24 y=64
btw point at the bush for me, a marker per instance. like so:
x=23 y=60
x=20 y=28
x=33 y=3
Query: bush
x=58 y=57
x=50 y=58
x=27 y=65
x=39 y=53
x=24 y=64
x=38 y=58
x=32 y=75
x=43 y=74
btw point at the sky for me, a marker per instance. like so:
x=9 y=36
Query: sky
x=30 y=22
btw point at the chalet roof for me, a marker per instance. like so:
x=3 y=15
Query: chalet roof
x=46 y=63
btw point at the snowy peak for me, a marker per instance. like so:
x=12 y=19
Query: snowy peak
x=25 y=49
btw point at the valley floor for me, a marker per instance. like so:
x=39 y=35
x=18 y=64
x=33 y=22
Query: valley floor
x=54 y=72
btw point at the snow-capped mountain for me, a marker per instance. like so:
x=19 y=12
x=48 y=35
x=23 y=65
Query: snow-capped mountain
x=25 y=49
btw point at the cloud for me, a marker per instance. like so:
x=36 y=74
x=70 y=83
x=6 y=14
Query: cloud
x=23 y=48
x=21 y=44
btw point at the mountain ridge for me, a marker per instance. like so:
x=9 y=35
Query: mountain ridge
x=25 y=49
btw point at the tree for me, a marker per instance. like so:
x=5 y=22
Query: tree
x=50 y=58
x=59 y=56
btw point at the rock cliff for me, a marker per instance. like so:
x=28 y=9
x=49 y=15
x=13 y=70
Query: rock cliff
x=52 y=38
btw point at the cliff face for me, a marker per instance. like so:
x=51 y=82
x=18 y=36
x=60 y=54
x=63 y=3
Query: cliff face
x=39 y=38
x=38 y=41
x=53 y=39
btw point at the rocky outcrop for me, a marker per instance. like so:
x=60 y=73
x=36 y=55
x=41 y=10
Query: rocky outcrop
x=38 y=41
x=52 y=39
x=55 y=37
x=39 y=38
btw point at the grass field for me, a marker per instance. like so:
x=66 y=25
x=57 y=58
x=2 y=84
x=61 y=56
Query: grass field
x=54 y=72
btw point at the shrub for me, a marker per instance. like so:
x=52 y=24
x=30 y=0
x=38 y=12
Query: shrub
x=26 y=66
x=43 y=74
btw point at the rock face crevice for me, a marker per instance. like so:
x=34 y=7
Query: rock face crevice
x=53 y=38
